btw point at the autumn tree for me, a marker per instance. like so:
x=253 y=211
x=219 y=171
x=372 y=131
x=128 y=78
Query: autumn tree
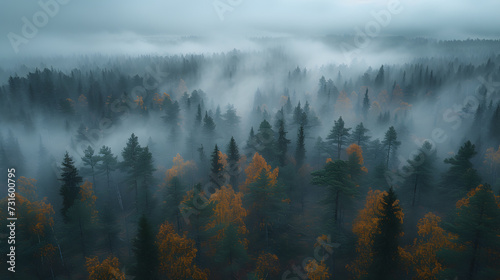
x=70 y=189
x=338 y=135
x=254 y=169
x=145 y=252
x=317 y=270
x=422 y=255
x=176 y=255
x=390 y=143
x=267 y=266
x=108 y=269
x=476 y=223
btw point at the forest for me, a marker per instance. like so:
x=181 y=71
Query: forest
x=254 y=164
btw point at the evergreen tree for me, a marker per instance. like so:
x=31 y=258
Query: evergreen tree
x=300 y=150
x=145 y=252
x=199 y=117
x=282 y=145
x=175 y=193
x=107 y=166
x=208 y=125
x=70 y=189
x=386 y=260
x=130 y=155
x=390 y=143
x=231 y=253
x=216 y=169
x=91 y=160
x=366 y=105
x=338 y=135
x=145 y=169
x=461 y=176
x=419 y=171
x=494 y=127
x=476 y=223
x=265 y=143
x=379 y=79
x=251 y=143
x=359 y=135
x=233 y=156
x=335 y=178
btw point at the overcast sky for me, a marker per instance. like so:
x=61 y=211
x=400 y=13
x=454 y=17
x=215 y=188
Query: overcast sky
x=125 y=26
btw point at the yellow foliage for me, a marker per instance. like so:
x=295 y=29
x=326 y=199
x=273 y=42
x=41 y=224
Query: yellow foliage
x=432 y=238
x=317 y=271
x=329 y=160
x=267 y=265
x=88 y=197
x=179 y=168
x=465 y=201
x=255 y=168
x=228 y=210
x=177 y=254
x=355 y=148
x=108 y=269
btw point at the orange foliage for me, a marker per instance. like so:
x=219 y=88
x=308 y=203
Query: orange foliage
x=267 y=265
x=177 y=254
x=432 y=238
x=329 y=160
x=140 y=102
x=88 y=198
x=228 y=210
x=223 y=160
x=179 y=168
x=354 y=148
x=492 y=160
x=255 y=168
x=317 y=271
x=365 y=227
x=465 y=201
x=108 y=269
x=82 y=101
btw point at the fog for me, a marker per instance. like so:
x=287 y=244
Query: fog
x=333 y=105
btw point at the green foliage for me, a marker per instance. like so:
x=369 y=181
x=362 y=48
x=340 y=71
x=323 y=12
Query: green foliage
x=338 y=135
x=70 y=188
x=145 y=252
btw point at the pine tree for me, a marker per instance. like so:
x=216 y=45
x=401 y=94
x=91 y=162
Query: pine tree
x=335 y=178
x=145 y=169
x=461 y=175
x=70 y=189
x=208 y=125
x=91 y=160
x=108 y=164
x=231 y=253
x=420 y=171
x=251 y=143
x=386 y=259
x=379 y=79
x=359 y=135
x=476 y=224
x=232 y=159
x=300 y=150
x=145 y=252
x=338 y=135
x=282 y=145
x=217 y=169
x=390 y=143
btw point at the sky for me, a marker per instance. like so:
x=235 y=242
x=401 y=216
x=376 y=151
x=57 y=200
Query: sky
x=68 y=27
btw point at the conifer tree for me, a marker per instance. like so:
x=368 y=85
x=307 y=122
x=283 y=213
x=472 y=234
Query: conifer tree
x=338 y=135
x=282 y=145
x=216 y=169
x=91 y=160
x=70 y=189
x=300 y=150
x=232 y=159
x=390 y=143
x=145 y=252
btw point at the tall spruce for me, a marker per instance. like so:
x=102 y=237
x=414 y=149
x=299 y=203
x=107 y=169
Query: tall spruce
x=233 y=156
x=338 y=135
x=391 y=144
x=300 y=150
x=70 y=189
x=145 y=252
x=216 y=169
x=282 y=144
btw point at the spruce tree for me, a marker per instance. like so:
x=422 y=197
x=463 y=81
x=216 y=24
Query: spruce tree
x=216 y=169
x=461 y=176
x=233 y=156
x=359 y=135
x=70 y=189
x=91 y=160
x=130 y=155
x=265 y=142
x=282 y=145
x=366 y=105
x=300 y=150
x=419 y=171
x=145 y=252
x=338 y=135
x=386 y=260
